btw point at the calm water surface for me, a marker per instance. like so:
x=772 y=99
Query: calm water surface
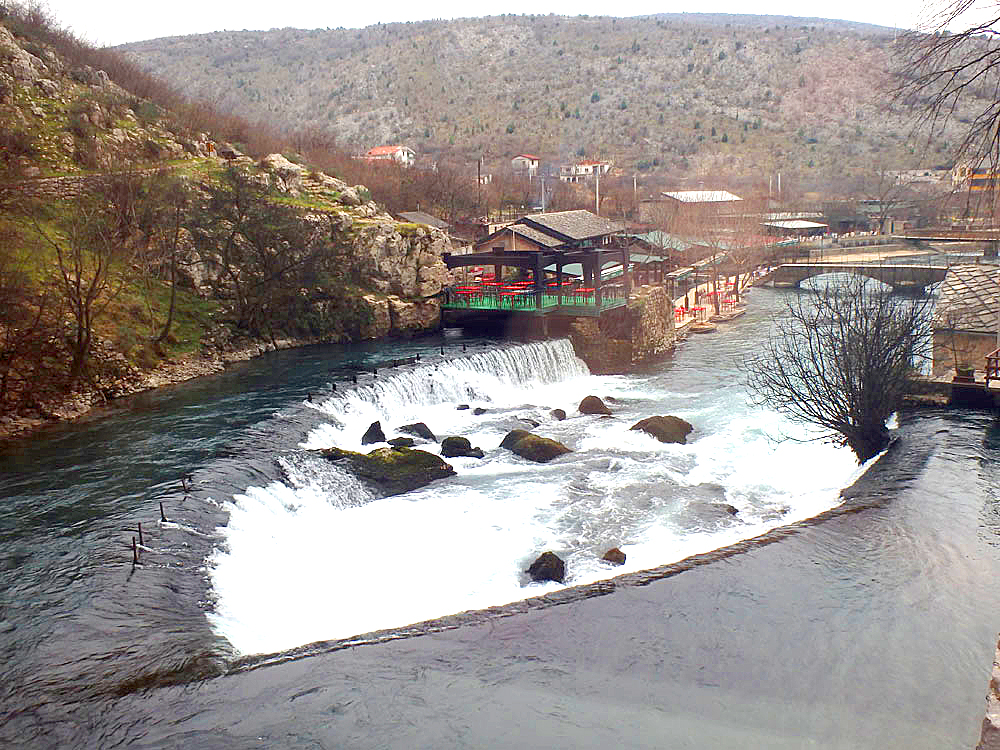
x=872 y=629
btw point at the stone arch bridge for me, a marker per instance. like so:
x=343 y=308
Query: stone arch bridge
x=901 y=276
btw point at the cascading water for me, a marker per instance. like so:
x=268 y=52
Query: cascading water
x=319 y=556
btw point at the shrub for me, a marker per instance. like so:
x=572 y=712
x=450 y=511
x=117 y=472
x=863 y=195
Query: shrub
x=595 y=97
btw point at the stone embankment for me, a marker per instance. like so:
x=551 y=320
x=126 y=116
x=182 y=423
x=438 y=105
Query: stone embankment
x=621 y=338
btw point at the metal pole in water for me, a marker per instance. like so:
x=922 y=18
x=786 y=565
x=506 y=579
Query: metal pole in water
x=135 y=553
x=163 y=516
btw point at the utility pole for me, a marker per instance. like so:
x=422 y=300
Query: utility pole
x=597 y=194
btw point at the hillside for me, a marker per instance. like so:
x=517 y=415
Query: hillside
x=136 y=249
x=679 y=95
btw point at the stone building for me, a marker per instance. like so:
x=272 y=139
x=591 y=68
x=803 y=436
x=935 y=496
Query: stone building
x=966 y=317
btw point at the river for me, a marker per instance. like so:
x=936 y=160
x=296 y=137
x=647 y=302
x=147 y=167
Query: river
x=280 y=603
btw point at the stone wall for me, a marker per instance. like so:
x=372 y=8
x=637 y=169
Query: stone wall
x=971 y=348
x=989 y=738
x=622 y=338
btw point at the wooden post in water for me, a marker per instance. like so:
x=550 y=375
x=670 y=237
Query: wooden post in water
x=163 y=516
x=135 y=553
x=140 y=536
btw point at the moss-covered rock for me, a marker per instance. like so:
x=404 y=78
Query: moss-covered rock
x=512 y=437
x=665 y=429
x=456 y=446
x=393 y=470
x=539 y=449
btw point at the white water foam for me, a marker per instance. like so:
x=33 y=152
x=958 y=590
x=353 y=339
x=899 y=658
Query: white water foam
x=319 y=557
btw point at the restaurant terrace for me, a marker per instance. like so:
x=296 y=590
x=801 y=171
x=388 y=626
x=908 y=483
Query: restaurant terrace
x=570 y=262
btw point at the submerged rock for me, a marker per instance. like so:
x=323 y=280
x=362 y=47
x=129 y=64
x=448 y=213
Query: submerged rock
x=462 y=407
x=374 y=434
x=665 y=429
x=548 y=567
x=558 y=414
x=401 y=442
x=593 y=405
x=614 y=556
x=479 y=410
x=456 y=446
x=512 y=437
x=529 y=421
x=393 y=470
x=419 y=429
x=539 y=449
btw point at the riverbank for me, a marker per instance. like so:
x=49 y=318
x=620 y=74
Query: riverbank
x=85 y=400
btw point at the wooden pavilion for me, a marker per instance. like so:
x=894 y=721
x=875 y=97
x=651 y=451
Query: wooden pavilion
x=552 y=241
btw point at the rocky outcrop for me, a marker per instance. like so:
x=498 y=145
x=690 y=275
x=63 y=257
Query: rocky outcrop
x=593 y=405
x=410 y=318
x=614 y=556
x=989 y=738
x=419 y=429
x=456 y=447
x=512 y=437
x=667 y=429
x=373 y=434
x=620 y=338
x=539 y=449
x=287 y=174
x=548 y=567
x=393 y=470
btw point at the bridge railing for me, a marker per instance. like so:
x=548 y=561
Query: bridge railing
x=992 y=366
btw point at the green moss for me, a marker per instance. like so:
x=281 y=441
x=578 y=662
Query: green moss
x=394 y=470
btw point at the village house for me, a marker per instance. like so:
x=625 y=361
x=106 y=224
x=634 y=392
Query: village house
x=525 y=164
x=399 y=154
x=685 y=207
x=966 y=318
x=584 y=170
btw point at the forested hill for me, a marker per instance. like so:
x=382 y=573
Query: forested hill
x=681 y=93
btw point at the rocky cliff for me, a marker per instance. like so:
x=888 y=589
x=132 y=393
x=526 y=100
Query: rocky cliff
x=644 y=329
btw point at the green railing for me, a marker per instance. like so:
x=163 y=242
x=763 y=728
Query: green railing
x=528 y=300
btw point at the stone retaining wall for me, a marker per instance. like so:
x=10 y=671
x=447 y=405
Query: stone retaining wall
x=69 y=186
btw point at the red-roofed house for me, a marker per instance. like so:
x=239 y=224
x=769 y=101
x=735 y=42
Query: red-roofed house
x=400 y=154
x=525 y=163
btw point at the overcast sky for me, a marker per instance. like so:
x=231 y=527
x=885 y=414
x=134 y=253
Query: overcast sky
x=119 y=21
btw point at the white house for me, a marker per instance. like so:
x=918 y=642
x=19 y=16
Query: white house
x=400 y=154
x=525 y=163
x=583 y=170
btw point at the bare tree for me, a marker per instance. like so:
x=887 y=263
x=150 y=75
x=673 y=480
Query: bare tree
x=839 y=361
x=943 y=70
x=92 y=248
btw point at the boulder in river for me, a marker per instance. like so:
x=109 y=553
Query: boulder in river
x=401 y=442
x=419 y=429
x=456 y=446
x=558 y=414
x=548 y=567
x=479 y=410
x=667 y=429
x=539 y=449
x=462 y=407
x=393 y=470
x=374 y=434
x=529 y=421
x=593 y=405
x=512 y=437
x=614 y=556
